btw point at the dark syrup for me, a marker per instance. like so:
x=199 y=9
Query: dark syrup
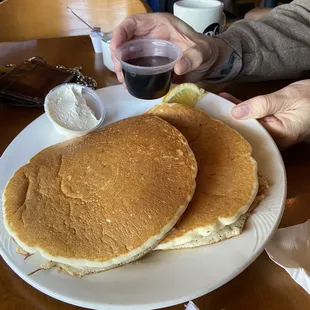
x=148 y=86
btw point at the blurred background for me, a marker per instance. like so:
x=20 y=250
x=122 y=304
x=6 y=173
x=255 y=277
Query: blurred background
x=22 y=20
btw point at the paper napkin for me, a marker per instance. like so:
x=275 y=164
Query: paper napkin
x=290 y=249
x=191 y=306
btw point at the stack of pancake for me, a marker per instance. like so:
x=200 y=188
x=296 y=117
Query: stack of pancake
x=106 y=199
x=227 y=180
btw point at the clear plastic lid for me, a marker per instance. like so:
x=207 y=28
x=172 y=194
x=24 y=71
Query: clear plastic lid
x=148 y=48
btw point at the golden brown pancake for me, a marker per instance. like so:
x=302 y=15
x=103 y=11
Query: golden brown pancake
x=227 y=174
x=232 y=230
x=224 y=233
x=104 y=199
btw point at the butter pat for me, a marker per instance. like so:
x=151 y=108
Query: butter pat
x=67 y=107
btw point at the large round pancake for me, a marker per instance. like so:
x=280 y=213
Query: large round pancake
x=227 y=181
x=104 y=199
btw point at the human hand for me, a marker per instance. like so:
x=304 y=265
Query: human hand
x=284 y=113
x=197 y=48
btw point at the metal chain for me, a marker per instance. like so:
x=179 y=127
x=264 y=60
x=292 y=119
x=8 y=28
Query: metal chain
x=80 y=78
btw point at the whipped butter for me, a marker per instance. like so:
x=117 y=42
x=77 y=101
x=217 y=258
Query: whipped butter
x=67 y=107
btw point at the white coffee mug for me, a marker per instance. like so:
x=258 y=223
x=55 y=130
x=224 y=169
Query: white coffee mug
x=204 y=16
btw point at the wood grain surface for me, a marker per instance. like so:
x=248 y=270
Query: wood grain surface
x=35 y=19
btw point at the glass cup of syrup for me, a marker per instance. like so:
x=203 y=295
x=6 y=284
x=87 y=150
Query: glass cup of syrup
x=148 y=66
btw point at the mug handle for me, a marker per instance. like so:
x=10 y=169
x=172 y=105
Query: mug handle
x=223 y=22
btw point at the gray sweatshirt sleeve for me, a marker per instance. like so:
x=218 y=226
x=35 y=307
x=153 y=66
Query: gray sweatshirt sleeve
x=276 y=47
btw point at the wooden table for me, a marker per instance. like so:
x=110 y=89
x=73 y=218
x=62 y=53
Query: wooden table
x=263 y=285
x=22 y=20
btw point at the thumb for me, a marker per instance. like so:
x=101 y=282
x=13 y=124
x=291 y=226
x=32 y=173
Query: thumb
x=258 y=107
x=192 y=58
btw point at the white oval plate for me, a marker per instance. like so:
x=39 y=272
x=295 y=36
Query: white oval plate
x=160 y=279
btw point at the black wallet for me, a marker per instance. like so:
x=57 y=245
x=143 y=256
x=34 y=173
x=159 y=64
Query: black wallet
x=28 y=83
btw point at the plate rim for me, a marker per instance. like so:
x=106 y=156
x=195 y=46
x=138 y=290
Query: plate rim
x=171 y=302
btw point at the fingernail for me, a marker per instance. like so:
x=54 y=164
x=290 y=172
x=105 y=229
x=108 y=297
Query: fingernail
x=185 y=65
x=241 y=111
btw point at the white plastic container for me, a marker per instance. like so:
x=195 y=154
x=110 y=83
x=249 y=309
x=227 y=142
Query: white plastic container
x=106 y=52
x=96 y=41
x=93 y=101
